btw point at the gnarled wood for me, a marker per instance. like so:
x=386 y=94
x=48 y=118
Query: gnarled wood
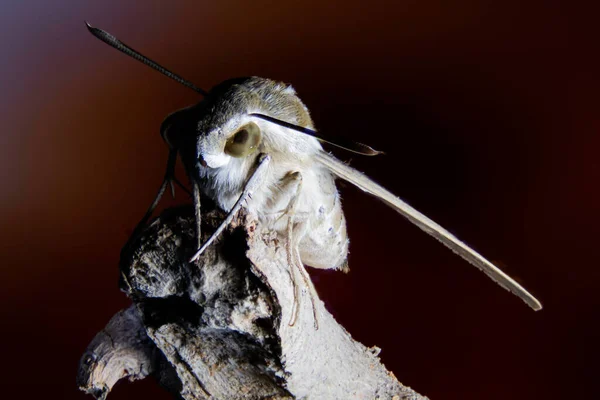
x=121 y=350
x=222 y=324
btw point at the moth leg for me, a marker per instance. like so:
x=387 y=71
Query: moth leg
x=197 y=212
x=291 y=182
x=174 y=181
x=294 y=179
x=296 y=264
x=311 y=288
x=255 y=181
x=291 y=262
x=169 y=176
x=293 y=254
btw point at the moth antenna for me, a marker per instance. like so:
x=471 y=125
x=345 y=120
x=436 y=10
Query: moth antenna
x=122 y=47
x=340 y=142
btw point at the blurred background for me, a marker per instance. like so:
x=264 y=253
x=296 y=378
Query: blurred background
x=488 y=113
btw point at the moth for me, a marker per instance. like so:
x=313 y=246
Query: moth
x=251 y=143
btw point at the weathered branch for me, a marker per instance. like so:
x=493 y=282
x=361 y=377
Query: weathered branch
x=121 y=350
x=222 y=324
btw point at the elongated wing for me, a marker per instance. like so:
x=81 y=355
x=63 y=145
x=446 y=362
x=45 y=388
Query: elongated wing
x=366 y=184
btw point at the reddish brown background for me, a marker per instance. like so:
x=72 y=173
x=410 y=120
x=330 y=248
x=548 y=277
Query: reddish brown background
x=488 y=111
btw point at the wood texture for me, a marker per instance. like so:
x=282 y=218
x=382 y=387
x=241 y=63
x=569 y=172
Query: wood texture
x=219 y=329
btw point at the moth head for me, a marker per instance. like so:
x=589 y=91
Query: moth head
x=236 y=118
x=226 y=131
x=223 y=128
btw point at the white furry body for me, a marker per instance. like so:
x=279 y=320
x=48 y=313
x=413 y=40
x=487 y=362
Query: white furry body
x=319 y=223
x=298 y=172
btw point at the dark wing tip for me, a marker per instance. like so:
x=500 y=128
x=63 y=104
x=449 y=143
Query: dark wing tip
x=342 y=143
x=368 y=150
x=352 y=146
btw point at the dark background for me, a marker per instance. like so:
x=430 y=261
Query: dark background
x=488 y=112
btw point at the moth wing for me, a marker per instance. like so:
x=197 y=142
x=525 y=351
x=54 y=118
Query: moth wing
x=363 y=182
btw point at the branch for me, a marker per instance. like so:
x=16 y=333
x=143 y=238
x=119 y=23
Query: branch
x=121 y=350
x=222 y=324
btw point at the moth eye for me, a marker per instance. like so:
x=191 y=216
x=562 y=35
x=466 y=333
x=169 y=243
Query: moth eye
x=241 y=137
x=244 y=142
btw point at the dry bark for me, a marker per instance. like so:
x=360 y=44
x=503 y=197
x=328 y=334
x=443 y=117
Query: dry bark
x=219 y=329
